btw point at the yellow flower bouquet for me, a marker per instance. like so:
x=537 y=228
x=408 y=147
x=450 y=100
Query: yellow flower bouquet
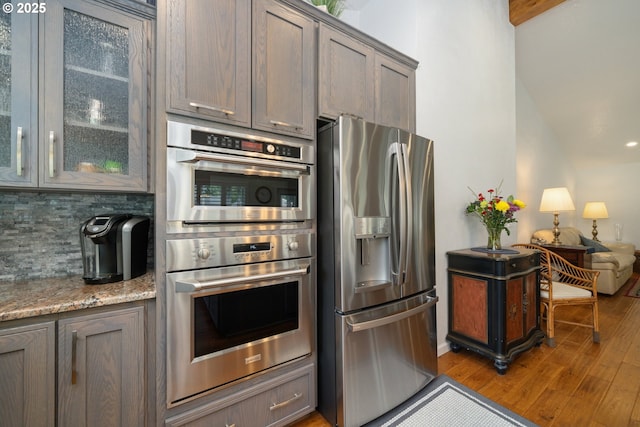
x=495 y=212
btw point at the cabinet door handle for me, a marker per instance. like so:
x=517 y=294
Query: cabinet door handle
x=74 y=344
x=52 y=156
x=209 y=107
x=19 y=165
x=285 y=124
x=275 y=406
x=230 y=425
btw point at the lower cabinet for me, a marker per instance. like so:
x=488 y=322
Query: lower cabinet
x=101 y=370
x=27 y=375
x=276 y=402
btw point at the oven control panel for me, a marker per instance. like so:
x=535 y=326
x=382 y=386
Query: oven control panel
x=188 y=254
x=217 y=140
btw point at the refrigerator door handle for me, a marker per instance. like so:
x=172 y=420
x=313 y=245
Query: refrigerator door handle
x=376 y=323
x=407 y=239
x=395 y=150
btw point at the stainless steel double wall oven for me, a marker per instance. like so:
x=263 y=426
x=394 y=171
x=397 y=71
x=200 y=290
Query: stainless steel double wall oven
x=240 y=255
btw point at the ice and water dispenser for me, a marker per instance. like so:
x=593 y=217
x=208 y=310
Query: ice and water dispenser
x=373 y=241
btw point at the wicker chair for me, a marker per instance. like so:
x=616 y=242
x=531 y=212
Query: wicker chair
x=562 y=283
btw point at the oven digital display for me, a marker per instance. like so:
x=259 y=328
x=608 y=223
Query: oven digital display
x=230 y=142
x=251 y=247
x=252 y=146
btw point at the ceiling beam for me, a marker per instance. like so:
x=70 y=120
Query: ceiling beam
x=523 y=10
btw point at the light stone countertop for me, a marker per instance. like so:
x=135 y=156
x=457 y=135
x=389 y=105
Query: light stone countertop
x=30 y=298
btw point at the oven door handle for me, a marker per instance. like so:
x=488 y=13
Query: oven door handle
x=193 y=286
x=191 y=157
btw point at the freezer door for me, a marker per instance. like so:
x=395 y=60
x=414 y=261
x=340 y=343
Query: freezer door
x=386 y=355
x=420 y=273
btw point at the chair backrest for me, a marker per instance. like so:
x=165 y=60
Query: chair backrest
x=554 y=268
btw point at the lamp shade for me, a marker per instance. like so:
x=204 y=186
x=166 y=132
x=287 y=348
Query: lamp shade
x=556 y=200
x=595 y=210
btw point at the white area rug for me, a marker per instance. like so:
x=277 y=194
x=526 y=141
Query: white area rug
x=445 y=402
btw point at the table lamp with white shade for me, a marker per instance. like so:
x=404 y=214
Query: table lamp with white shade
x=556 y=200
x=594 y=211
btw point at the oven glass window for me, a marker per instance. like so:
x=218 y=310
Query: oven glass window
x=227 y=189
x=234 y=318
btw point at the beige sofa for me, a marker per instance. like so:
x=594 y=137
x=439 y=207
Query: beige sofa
x=615 y=267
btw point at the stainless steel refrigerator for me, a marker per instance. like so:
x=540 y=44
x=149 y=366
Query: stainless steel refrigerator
x=376 y=275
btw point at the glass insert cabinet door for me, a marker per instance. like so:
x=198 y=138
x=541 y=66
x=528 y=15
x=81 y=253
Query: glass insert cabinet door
x=94 y=98
x=18 y=98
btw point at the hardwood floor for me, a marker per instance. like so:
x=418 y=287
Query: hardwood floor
x=577 y=383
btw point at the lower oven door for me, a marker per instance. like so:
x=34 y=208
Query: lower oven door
x=224 y=324
x=390 y=349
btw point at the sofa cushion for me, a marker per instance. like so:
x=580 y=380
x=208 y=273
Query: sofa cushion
x=615 y=260
x=597 y=246
x=626 y=248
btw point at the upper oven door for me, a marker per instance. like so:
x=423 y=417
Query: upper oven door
x=210 y=187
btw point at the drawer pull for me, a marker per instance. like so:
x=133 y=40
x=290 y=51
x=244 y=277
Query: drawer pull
x=285 y=124
x=52 y=154
x=210 y=107
x=19 y=164
x=275 y=406
x=230 y=425
x=74 y=344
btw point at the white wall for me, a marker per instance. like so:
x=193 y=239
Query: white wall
x=617 y=187
x=465 y=103
x=541 y=163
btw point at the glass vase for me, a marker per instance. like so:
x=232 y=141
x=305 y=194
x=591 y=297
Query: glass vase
x=493 y=241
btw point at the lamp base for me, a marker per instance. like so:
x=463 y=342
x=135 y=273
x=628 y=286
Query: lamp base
x=556 y=230
x=594 y=231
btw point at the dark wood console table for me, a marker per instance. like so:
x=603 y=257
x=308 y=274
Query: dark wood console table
x=573 y=254
x=494 y=303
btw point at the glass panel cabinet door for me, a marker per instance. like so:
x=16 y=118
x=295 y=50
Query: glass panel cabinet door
x=18 y=102
x=94 y=97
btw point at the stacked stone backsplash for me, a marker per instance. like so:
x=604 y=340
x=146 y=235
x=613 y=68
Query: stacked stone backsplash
x=40 y=231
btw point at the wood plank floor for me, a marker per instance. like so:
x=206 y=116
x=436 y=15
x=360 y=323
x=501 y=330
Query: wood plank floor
x=577 y=383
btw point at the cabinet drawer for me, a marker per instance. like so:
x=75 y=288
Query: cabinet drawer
x=503 y=267
x=288 y=400
x=519 y=265
x=276 y=403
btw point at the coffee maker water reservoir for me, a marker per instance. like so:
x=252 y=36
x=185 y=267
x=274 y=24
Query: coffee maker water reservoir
x=114 y=247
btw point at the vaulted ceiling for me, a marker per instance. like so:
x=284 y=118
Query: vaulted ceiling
x=580 y=63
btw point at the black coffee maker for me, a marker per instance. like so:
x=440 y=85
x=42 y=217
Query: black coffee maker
x=114 y=247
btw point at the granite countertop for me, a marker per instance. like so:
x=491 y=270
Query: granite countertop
x=40 y=297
